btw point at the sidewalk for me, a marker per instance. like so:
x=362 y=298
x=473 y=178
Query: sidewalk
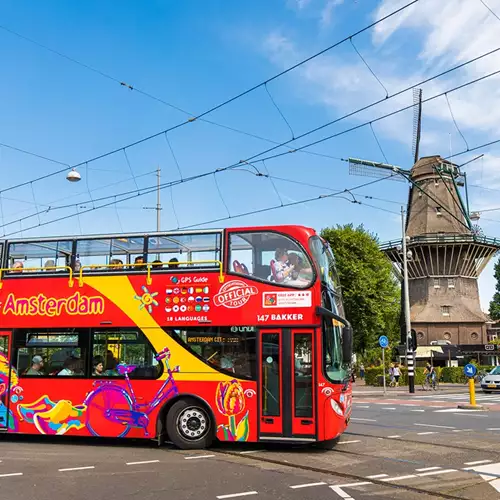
x=359 y=388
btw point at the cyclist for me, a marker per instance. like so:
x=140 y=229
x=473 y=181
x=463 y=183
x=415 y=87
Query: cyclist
x=430 y=374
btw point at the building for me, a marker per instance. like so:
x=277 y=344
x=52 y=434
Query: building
x=447 y=255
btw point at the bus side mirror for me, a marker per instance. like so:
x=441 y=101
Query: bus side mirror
x=347 y=344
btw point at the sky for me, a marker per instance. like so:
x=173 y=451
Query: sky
x=192 y=55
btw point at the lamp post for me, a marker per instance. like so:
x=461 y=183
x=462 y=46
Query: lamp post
x=410 y=359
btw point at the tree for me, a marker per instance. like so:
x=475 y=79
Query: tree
x=495 y=302
x=370 y=290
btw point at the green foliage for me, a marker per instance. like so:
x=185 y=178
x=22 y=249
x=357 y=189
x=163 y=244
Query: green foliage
x=495 y=302
x=370 y=291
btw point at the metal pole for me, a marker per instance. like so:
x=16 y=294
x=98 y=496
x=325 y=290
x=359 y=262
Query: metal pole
x=409 y=347
x=158 y=204
x=383 y=367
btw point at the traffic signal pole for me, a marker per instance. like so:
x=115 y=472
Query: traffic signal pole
x=410 y=358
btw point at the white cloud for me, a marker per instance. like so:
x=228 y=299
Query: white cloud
x=327 y=11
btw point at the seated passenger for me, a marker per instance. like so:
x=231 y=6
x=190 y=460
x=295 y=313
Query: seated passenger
x=18 y=267
x=68 y=367
x=281 y=268
x=50 y=265
x=117 y=264
x=157 y=264
x=98 y=367
x=173 y=263
x=137 y=267
x=36 y=366
x=299 y=266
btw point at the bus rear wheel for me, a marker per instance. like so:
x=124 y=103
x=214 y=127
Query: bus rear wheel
x=189 y=425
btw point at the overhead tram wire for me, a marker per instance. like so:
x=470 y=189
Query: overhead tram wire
x=337 y=120
x=143 y=193
x=238 y=164
x=210 y=110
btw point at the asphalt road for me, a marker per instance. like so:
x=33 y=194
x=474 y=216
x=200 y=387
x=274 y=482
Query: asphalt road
x=391 y=451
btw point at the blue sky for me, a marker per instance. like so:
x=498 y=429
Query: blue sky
x=195 y=54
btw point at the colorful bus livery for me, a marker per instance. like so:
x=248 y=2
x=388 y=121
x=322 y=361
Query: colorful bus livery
x=231 y=334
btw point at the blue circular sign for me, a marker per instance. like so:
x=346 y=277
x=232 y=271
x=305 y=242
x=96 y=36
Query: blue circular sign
x=383 y=341
x=470 y=370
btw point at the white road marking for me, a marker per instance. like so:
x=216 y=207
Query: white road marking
x=249 y=451
x=349 y=442
x=471 y=415
x=377 y=476
x=408 y=404
x=195 y=457
x=428 y=469
x=493 y=429
x=435 y=472
x=145 y=462
x=234 y=495
x=12 y=474
x=425 y=433
x=307 y=485
x=419 y=410
x=341 y=493
x=77 y=468
x=399 y=478
x=478 y=462
x=388 y=408
x=363 y=419
x=393 y=437
x=359 y=406
x=452 y=410
x=489 y=473
x=436 y=426
x=462 y=430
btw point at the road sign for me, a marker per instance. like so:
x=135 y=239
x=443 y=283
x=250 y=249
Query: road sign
x=470 y=370
x=383 y=341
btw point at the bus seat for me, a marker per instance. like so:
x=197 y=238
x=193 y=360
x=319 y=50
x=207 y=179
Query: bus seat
x=272 y=276
x=240 y=268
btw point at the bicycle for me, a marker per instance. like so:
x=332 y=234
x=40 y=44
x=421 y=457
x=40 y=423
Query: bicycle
x=111 y=403
x=427 y=384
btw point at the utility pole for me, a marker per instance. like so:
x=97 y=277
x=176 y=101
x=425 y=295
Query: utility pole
x=158 y=203
x=409 y=341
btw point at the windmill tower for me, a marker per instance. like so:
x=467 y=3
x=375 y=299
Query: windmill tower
x=448 y=253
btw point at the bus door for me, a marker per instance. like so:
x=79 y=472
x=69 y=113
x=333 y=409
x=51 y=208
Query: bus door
x=5 y=373
x=287 y=408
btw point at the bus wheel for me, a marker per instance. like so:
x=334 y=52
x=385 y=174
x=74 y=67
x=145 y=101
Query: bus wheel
x=189 y=425
x=329 y=444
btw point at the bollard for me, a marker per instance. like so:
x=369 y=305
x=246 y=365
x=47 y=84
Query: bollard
x=472 y=392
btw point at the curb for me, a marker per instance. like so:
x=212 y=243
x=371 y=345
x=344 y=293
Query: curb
x=472 y=407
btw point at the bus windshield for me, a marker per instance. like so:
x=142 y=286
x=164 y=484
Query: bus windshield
x=325 y=261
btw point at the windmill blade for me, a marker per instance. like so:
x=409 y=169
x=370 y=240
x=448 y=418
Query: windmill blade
x=417 y=122
x=366 y=168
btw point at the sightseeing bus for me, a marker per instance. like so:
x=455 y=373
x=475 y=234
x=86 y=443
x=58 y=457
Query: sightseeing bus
x=236 y=335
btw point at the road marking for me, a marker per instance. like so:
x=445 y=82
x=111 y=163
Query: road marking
x=12 y=474
x=377 y=476
x=388 y=408
x=198 y=456
x=234 y=495
x=399 y=478
x=462 y=430
x=435 y=472
x=493 y=429
x=408 y=404
x=341 y=493
x=393 y=437
x=349 y=442
x=363 y=419
x=249 y=451
x=359 y=406
x=77 y=468
x=478 y=462
x=307 y=485
x=145 y=462
x=418 y=410
x=425 y=433
x=470 y=415
x=428 y=469
x=436 y=426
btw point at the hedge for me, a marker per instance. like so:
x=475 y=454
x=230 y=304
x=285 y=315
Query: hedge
x=449 y=375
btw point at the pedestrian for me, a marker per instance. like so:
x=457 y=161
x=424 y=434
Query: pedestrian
x=362 y=371
x=397 y=374
x=392 y=381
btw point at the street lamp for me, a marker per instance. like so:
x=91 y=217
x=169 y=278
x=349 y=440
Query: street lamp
x=73 y=176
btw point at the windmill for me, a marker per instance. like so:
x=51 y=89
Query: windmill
x=448 y=251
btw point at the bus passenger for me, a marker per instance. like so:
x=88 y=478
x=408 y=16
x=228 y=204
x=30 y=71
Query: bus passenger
x=98 y=367
x=18 y=267
x=157 y=264
x=139 y=260
x=281 y=267
x=117 y=264
x=50 y=265
x=36 y=366
x=173 y=263
x=69 y=367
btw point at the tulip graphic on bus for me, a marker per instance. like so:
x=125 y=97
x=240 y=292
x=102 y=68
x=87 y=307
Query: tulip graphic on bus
x=230 y=400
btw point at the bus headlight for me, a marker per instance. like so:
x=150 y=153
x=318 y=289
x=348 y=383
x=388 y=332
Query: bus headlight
x=336 y=407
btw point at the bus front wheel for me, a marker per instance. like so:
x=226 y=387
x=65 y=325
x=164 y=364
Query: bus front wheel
x=189 y=425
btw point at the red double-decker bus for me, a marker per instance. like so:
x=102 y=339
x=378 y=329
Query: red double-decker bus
x=235 y=334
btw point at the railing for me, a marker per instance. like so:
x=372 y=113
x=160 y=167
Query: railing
x=148 y=267
x=21 y=270
x=442 y=239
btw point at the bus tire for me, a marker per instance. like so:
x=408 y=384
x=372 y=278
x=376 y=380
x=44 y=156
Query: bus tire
x=189 y=425
x=328 y=444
